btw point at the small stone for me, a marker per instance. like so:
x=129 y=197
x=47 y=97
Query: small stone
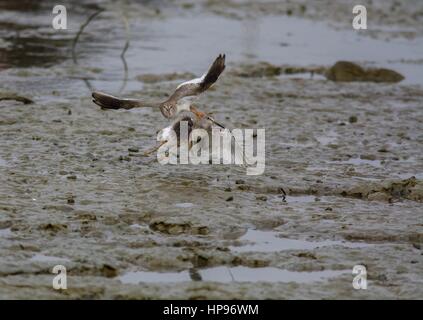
x=352 y=119
x=307 y=255
x=370 y=157
x=349 y=71
x=132 y=149
x=108 y=271
x=172 y=226
x=52 y=227
x=124 y=158
x=72 y=177
x=261 y=198
x=239 y=181
x=231 y=198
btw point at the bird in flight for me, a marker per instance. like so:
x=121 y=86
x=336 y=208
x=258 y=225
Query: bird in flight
x=180 y=100
x=178 y=107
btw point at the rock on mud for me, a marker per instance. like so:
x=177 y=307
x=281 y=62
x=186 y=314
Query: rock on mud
x=258 y=70
x=345 y=71
x=176 y=226
x=265 y=69
x=389 y=190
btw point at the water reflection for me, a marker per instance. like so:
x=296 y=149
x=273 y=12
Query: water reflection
x=166 y=43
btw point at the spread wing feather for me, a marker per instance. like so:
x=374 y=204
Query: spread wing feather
x=169 y=107
x=107 y=101
x=196 y=86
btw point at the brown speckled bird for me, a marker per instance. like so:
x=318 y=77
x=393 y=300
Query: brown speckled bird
x=179 y=101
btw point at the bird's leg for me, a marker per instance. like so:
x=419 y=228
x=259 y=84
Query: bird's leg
x=155 y=148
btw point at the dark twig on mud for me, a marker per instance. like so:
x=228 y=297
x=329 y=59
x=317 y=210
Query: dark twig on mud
x=24 y=100
x=195 y=275
x=75 y=41
x=122 y=55
x=232 y=276
x=81 y=29
x=282 y=191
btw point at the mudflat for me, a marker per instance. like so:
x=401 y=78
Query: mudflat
x=343 y=183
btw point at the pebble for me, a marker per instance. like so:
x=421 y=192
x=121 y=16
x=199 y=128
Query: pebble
x=352 y=119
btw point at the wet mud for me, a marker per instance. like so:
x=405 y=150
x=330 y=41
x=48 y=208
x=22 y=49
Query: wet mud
x=343 y=183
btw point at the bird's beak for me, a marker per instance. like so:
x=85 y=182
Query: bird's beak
x=155 y=148
x=217 y=123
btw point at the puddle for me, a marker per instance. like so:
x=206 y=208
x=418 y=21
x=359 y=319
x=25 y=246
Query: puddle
x=268 y=241
x=358 y=162
x=147 y=276
x=43 y=258
x=235 y=274
x=6 y=233
x=184 y=205
x=330 y=138
x=158 y=41
x=309 y=43
x=319 y=168
x=135 y=226
x=3 y=163
x=300 y=199
x=368 y=178
x=409 y=175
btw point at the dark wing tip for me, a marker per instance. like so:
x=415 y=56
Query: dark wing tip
x=214 y=72
x=106 y=101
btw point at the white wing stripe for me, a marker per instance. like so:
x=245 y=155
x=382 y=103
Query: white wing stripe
x=193 y=81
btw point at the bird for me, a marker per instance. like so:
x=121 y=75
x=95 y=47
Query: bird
x=181 y=99
x=178 y=108
x=195 y=119
x=173 y=138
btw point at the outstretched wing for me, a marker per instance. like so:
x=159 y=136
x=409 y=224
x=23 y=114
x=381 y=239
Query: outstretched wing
x=199 y=85
x=107 y=101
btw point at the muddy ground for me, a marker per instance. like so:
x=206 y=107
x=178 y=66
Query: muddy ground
x=75 y=189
